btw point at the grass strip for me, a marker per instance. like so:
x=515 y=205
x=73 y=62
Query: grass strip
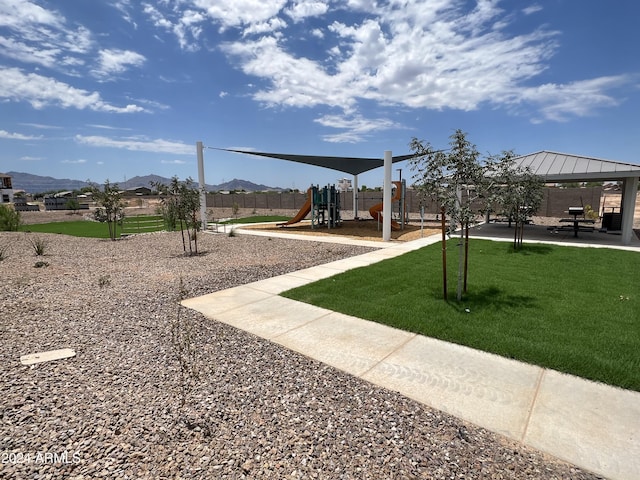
x=571 y=309
x=79 y=228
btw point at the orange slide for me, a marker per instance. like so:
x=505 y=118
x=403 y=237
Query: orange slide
x=304 y=211
x=376 y=210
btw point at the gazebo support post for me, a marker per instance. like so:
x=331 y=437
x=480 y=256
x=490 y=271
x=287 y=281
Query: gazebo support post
x=629 y=193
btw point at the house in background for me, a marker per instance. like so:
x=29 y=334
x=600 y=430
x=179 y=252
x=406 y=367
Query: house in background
x=137 y=191
x=6 y=189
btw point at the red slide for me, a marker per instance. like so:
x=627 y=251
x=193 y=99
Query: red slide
x=304 y=211
x=376 y=210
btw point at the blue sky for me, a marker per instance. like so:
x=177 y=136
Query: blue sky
x=117 y=88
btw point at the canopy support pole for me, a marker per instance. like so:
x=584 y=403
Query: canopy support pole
x=386 y=197
x=355 y=197
x=203 y=190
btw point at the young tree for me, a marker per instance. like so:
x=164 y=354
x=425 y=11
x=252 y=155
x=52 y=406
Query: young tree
x=73 y=205
x=517 y=189
x=180 y=207
x=10 y=219
x=455 y=180
x=110 y=206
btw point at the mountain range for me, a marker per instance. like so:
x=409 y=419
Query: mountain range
x=38 y=184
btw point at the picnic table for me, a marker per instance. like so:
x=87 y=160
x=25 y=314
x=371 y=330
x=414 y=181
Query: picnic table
x=576 y=224
x=577 y=211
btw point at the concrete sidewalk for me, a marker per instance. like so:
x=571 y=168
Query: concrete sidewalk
x=591 y=425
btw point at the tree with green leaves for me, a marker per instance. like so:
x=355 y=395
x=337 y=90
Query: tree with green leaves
x=455 y=180
x=180 y=207
x=516 y=189
x=110 y=206
x=73 y=205
x=10 y=219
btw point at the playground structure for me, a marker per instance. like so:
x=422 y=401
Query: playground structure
x=399 y=196
x=324 y=206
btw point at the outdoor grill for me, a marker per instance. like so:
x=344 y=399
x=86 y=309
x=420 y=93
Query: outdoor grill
x=575 y=211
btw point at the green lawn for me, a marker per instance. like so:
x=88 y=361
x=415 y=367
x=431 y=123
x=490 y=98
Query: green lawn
x=78 y=228
x=258 y=219
x=576 y=310
x=86 y=228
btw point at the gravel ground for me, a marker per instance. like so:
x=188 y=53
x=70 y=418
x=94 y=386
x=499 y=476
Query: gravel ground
x=207 y=401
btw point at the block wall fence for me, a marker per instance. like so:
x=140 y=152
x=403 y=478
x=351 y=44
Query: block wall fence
x=555 y=202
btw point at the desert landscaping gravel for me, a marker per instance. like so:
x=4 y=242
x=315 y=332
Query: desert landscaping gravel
x=158 y=391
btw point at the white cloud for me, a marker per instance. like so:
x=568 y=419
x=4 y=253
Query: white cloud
x=138 y=144
x=306 y=8
x=240 y=12
x=356 y=128
x=296 y=82
x=17 y=136
x=15 y=13
x=27 y=158
x=75 y=162
x=273 y=25
x=532 y=9
x=42 y=36
x=41 y=91
x=440 y=57
x=106 y=127
x=173 y=162
x=579 y=99
x=114 y=62
x=42 y=126
x=124 y=7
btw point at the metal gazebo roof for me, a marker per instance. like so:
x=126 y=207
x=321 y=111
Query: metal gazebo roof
x=352 y=165
x=562 y=167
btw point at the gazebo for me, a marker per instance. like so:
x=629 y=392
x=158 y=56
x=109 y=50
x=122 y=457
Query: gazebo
x=555 y=167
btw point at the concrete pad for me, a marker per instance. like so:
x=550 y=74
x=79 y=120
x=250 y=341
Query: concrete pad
x=350 y=263
x=348 y=343
x=316 y=273
x=589 y=424
x=271 y=317
x=279 y=284
x=212 y=304
x=48 y=356
x=488 y=390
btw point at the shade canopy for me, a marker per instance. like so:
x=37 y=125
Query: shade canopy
x=352 y=165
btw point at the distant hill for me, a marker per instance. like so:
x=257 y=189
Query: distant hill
x=237 y=184
x=39 y=184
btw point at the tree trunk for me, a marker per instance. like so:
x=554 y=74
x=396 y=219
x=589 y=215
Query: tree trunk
x=466 y=256
x=444 y=253
x=460 y=264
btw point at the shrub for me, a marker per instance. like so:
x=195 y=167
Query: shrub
x=9 y=219
x=39 y=245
